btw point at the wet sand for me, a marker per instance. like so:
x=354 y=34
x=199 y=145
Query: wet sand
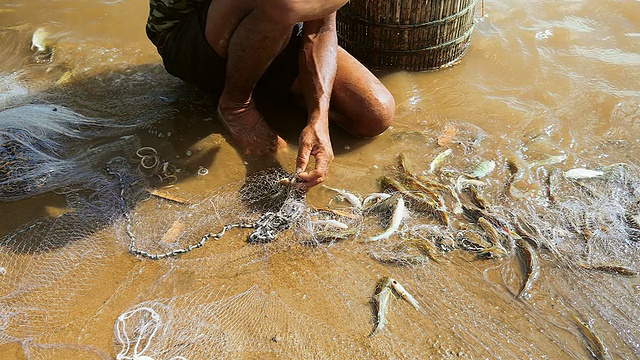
x=567 y=73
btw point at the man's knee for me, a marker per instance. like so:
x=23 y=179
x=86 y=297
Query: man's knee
x=381 y=114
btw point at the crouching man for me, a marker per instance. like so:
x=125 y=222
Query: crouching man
x=289 y=46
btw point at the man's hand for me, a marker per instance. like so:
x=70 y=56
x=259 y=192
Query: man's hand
x=314 y=141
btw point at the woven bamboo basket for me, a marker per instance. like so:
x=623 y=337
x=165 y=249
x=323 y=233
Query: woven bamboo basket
x=413 y=35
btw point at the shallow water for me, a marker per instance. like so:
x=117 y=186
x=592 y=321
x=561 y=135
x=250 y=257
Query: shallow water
x=540 y=78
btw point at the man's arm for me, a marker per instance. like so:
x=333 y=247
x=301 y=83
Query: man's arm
x=318 y=64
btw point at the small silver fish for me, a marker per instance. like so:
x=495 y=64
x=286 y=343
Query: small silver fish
x=329 y=223
x=582 y=173
x=373 y=199
x=463 y=183
x=438 y=160
x=551 y=160
x=595 y=345
x=531 y=263
x=351 y=198
x=404 y=293
x=398 y=214
x=609 y=269
x=381 y=297
x=483 y=169
x=325 y=236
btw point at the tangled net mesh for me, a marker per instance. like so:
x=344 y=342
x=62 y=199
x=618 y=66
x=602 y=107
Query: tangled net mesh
x=422 y=254
x=45 y=148
x=296 y=279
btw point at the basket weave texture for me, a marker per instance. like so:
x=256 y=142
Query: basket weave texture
x=409 y=35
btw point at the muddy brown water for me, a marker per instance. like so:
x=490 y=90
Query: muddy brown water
x=565 y=72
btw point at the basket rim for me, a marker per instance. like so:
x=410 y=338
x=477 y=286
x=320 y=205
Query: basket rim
x=456 y=41
x=460 y=13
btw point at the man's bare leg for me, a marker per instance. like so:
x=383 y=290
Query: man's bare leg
x=366 y=106
x=250 y=39
x=360 y=103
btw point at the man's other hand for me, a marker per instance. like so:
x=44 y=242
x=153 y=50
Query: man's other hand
x=314 y=141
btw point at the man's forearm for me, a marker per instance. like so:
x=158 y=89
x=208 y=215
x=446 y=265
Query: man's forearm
x=318 y=65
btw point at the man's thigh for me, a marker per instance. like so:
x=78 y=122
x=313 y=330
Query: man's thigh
x=189 y=56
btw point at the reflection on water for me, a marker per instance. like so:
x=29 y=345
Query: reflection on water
x=540 y=79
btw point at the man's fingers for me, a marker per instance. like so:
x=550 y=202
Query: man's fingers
x=303 y=159
x=317 y=175
x=322 y=164
x=312 y=178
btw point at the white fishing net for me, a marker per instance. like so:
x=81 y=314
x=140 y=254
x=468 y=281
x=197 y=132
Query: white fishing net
x=506 y=253
x=45 y=148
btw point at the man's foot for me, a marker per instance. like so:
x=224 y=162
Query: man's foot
x=249 y=129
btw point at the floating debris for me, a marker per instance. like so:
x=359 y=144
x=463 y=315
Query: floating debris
x=449 y=133
x=64 y=78
x=609 y=269
x=173 y=233
x=41 y=45
x=168 y=196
